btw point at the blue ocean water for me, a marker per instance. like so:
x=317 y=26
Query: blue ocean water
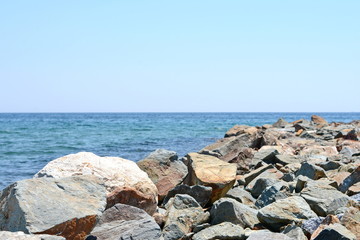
x=30 y=140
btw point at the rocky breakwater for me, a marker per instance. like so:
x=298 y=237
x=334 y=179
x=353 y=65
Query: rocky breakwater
x=297 y=180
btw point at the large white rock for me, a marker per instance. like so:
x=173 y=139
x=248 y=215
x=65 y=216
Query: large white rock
x=125 y=182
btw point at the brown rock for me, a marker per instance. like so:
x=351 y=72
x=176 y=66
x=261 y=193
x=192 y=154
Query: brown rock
x=318 y=120
x=351 y=220
x=210 y=171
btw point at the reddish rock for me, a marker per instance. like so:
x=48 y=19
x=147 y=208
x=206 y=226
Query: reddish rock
x=318 y=120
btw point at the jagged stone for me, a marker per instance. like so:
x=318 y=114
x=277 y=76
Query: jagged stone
x=221 y=231
x=200 y=193
x=271 y=194
x=265 y=234
x=241 y=195
x=311 y=171
x=294 y=232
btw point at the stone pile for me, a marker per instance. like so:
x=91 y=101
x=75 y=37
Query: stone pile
x=291 y=180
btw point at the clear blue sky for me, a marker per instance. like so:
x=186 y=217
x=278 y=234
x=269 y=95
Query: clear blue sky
x=131 y=56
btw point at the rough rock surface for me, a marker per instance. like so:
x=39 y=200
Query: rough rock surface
x=164 y=169
x=210 y=171
x=264 y=234
x=311 y=171
x=230 y=210
x=4 y=235
x=125 y=182
x=285 y=211
x=294 y=232
x=126 y=222
x=200 y=193
x=68 y=207
x=335 y=232
x=271 y=194
x=241 y=195
x=182 y=214
x=221 y=231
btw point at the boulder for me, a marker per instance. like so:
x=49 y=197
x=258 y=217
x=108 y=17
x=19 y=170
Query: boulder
x=183 y=213
x=266 y=154
x=294 y=232
x=125 y=182
x=284 y=211
x=260 y=185
x=271 y=173
x=164 y=169
x=354 y=189
x=311 y=171
x=67 y=207
x=255 y=173
x=265 y=234
x=240 y=129
x=335 y=232
x=200 y=193
x=230 y=210
x=241 y=195
x=272 y=194
x=280 y=123
x=353 y=178
x=351 y=220
x=309 y=226
x=210 y=171
x=22 y=236
x=222 y=231
x=126 y=222
x=323 y=198
x=285 y=159
x=318 y=120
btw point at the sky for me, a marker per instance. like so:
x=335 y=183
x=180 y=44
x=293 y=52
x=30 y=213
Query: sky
x=180 y=56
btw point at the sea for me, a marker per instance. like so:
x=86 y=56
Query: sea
x=28 y=141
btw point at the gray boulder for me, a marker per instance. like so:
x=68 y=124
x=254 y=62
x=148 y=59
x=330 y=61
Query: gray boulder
x=335 y=232
x=241 y=195
x=229 y=210
x=287 y=159
x=280 y=123
x=200 y=193
x=272 y=194
x=294 y=232
x=221 y=231
x=323 y=198
x=311 y=171
x=309 y=226
x=126 y=222
x=67 y=207
x=183 y=213
x=284 y=211
x=352 y=179
x=260 y=185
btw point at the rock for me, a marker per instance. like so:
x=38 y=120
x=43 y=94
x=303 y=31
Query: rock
x=316 y=150
x=318 y=120
x=356 y=197
x=287 y=159
x=351 y=220
x=200 y=193
x=201 y=227
x=271 y=194
x=265 y=154
x=323 y=198
x=310 y=225
x=284 y=211
x=339 y=177
x=281 y=123
x=335 y=232
x=125 y=182
x=164 y=169
x=67 y=207
x=264 y=234
x=272 y=173
x=126 y=222
x=183 y=213
x=221 y=231
x=260 y=185
x=354 y=189
x=241 y=195
x=294 y=232
x=353 y=178
x=255 y=173
x=22 y=236
x=229 y=210
x=240 y=129
x=311 y=171
x=354 y=134
x=330 y=219
x=330 y=165
x=210 y=171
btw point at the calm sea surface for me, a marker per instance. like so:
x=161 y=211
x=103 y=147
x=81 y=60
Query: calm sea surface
x=29 y=140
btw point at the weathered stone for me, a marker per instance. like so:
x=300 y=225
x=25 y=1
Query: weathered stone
x=230 y=210
x=323 y=198
x=210 y=171
x=164 y=169
x=318 y=120
x=265 y=234
x=354 y=134
x=294 y=232
x=253 y=174
x=311 y=171
x=67 y=207
x=351 y=220
x=182 y=214
x=335 y=232
x=281 y=123
x=353 y=178
x=268 y=174
x=241 y=195
x=271 y=194
x=125 y=182
x=354 y=189
x=260 y=185
x=330 y=219
x=301 y=182
x=330 y=165
x=287 y=159
x=265 y=154
x=126 y=222
x=4 y=235
x=285 y=211
x=200 y=193
x=240 y=129
x=221 y=231
x=309 y=226
x=201 y=227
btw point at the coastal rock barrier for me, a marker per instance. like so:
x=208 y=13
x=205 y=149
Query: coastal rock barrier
x=288 y=180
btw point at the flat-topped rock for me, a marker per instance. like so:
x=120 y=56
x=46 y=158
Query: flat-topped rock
x=210 y=171
x=222 y=231
x=125 y=182
x=67 y=207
